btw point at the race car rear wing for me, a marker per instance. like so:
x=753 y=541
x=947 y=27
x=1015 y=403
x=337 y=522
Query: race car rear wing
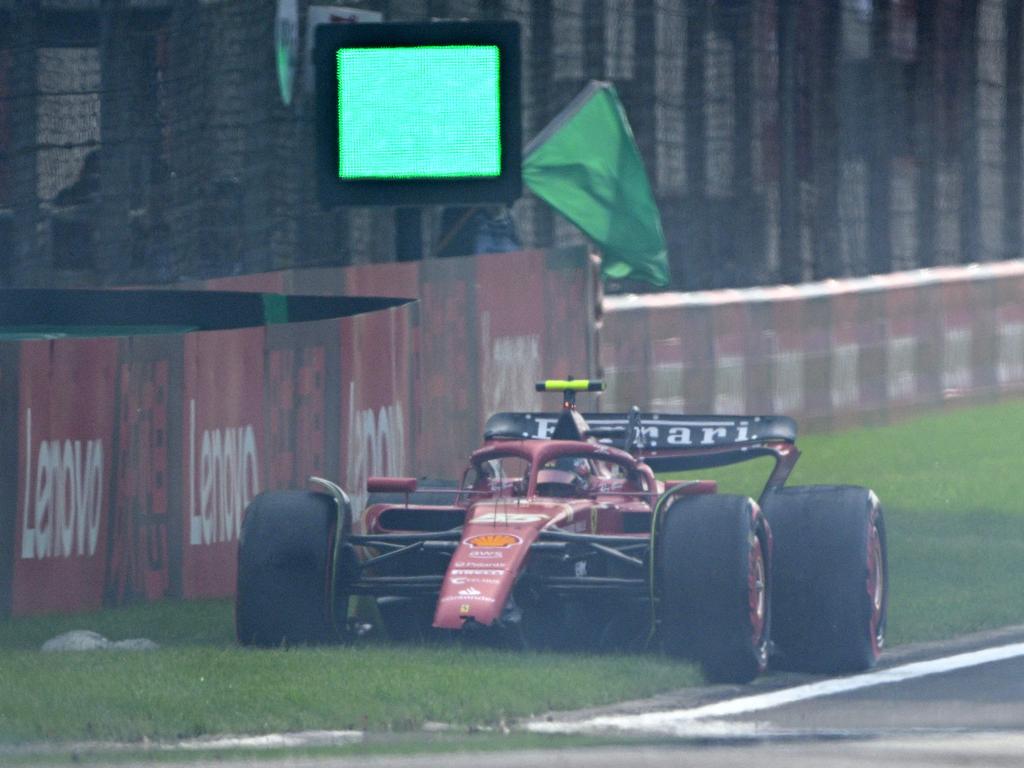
x=656 y=430
x=666 y=442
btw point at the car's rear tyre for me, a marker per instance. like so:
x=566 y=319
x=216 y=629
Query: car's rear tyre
x=284 y=564
x=712 y=572
x=831 y=577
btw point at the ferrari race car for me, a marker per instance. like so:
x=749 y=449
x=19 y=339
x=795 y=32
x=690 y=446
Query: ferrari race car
x=560 y=535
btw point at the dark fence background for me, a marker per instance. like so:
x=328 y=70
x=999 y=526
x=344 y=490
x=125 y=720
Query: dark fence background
x=146 y=141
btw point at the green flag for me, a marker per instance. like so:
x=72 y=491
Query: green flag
x=585 y=164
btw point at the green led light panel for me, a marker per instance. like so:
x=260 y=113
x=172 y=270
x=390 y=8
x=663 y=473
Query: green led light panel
x=419 y=112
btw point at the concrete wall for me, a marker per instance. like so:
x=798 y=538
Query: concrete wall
x=832 y=353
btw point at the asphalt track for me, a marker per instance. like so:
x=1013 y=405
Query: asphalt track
x=995 y=750
x=947 y=704
x=972 y=689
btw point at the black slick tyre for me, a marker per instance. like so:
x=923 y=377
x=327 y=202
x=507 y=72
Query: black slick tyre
x=831 y=577
x=284 y=562
x=712 y=571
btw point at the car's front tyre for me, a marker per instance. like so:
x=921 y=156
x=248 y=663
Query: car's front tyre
x=284 y=562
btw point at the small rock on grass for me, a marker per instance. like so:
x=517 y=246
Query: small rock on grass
x=87 y=640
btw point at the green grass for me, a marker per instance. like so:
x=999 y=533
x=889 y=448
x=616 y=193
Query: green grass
x=203 y=685
x=171 y=623
x=951 y=484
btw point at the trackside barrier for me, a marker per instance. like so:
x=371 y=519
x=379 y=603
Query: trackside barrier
x=128 y=461
x=132 y=459
x=830 y=353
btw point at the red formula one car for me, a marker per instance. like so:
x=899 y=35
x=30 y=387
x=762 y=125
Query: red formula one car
x=560 y=535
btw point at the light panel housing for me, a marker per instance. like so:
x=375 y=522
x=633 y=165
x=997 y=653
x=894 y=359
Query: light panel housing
x=418 y=114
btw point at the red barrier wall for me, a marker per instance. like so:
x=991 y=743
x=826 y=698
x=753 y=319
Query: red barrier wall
x=831 y=354
x=144 y=538
x=302 y=384
x=64 y=432
x=223 y=470
x=136 y=457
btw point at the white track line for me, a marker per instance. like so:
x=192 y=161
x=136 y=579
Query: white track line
x=672 y=721
x=272 y=740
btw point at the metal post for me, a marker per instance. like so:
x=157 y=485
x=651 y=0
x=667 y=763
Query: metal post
x=970 y=209
x=926 y=130
x=790 y=268
x=408 y=234
x=827 y=144
x=880 y=152
x=1014 y=114
x=696 y=269
x=113 y=226
x=26 y=266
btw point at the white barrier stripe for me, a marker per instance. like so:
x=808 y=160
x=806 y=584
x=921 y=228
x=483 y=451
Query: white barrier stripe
x=668 y=720
x=869 y=284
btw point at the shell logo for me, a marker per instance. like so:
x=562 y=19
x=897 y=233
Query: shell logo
x=494 y=541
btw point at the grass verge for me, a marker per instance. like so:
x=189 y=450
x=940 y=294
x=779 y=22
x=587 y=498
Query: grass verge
x=187 y=690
